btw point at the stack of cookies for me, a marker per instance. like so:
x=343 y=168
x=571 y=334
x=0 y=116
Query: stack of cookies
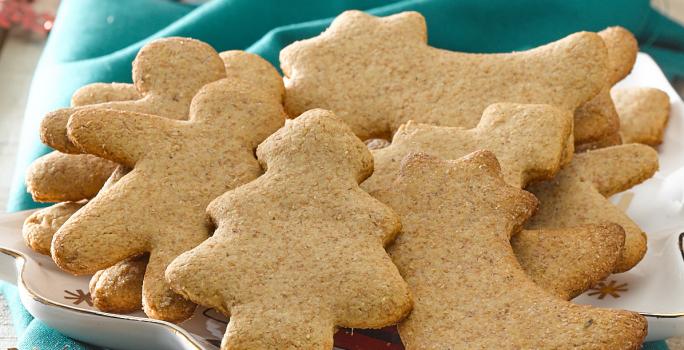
x=474 y=211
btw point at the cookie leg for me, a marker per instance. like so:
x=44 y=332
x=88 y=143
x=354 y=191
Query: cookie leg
x=60 y=177
x=159 y=301
x=596 y=119
x=566 y=262
x=40 y=226
x=91 y=240
x=276 y=327
x=118 y=289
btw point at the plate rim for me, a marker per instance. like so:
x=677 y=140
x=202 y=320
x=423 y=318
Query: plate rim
x=21 y=261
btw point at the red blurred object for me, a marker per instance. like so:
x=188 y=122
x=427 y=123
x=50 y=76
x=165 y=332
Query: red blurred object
x=21 y=14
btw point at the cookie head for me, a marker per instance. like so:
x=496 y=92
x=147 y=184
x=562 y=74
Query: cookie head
x=251 y=112
x=454 y=252
x=249 y=67
x=170 y=65
x=409 y=26
x=478 y=172
x=319 y=143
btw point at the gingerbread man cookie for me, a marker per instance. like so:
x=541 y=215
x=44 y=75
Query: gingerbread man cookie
x=167 y=73
x=454 y=251
x=378 y=73
x=299 y=251
x=178 y=168
x=577 y=195
x=119 y=288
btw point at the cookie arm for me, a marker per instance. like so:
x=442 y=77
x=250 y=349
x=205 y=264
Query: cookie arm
x=104 y=92
x=568 y=261
x=53 y=130
x=618 y=168
x=53 y=127
x=622 y=51
x=119 y=136
x=59 y=177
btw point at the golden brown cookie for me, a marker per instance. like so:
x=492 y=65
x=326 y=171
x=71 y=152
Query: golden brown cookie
x=577 y=195
x=299 y=251
x=104 y=92
x=42 y=224
x=245 y=66
x=622 y=51
x=118 y=288
x=470 y=293
x=567 y=262
x=643 y=112
x=542 y=134
x=377 y=73
x=108 y=294
x=60 y=177
x=167 y=73
x=178 y=168
x=614 y=139
x=597 y=122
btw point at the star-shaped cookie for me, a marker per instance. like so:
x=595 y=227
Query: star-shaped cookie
x=470 y=292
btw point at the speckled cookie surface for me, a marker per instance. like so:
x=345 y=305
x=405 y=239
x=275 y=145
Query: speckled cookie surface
x=577 y=195
x=60 y=177
x=167 y=73
x=42 y=224
x=245 y=66
x=286 y=240
x=378 y=73
x=158 y=207
x=108 y=294
x=118 y=288
x=104 y=92
x=614 y=139
x=541 y=133
x=569 y=261
x=597 y=120
x=643 y=112
x=469 y=291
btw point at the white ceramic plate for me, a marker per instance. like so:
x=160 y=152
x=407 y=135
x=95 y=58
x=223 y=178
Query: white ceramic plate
x=655 y=287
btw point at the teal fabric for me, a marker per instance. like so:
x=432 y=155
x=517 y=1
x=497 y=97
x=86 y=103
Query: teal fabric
x=32 y=333
x=96 y=41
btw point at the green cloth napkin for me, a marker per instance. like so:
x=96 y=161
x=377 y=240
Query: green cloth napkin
x=96 y=41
